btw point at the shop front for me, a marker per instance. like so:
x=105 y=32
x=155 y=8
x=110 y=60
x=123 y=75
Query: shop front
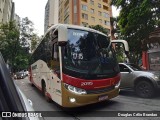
x=151 y=58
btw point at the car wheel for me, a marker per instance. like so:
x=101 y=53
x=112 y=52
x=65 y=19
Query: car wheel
x=144 y=89
x=45 y=93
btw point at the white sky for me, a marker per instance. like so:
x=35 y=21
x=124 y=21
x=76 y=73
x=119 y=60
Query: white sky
x=34 y=10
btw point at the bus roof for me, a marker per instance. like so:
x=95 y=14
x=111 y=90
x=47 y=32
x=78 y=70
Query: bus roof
x=75 y=27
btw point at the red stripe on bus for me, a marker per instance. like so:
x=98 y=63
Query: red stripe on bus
x=90 y=84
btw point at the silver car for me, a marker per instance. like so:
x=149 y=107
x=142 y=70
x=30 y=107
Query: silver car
x=145 y=83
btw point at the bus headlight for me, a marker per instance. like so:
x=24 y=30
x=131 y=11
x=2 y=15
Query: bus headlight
x=118 y=84
x=75 y=89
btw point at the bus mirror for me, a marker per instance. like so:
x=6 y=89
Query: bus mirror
x=121 y=43
x=62 y=35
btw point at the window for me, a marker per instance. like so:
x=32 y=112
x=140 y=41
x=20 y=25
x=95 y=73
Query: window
x=84 y=7
x=100 y=20
x=99 y=13
x=88 y=55
x=84 y=0
x=106 y=15
x=93 y=18
x=84 y=16
x=154 y=60
x=92 y=10
x=105 y=7
x=92 y=2
x=105 y=1
x=123 y=68
x=106 y=22
x=84 y=24
x=99 y=5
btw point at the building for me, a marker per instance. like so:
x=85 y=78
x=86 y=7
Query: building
x=12 y=12
x=51 y=14
x=85 y=12
x=151 y=58
x=6 y=10
x=17 y=20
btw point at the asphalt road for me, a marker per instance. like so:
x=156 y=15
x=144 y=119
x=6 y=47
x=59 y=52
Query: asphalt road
x=126 y=101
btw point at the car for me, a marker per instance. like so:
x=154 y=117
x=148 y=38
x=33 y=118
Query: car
x=19 y=75
x=25 y=72
x=144 y=83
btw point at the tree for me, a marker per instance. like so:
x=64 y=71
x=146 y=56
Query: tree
x=14 y=43
x=9 y=42
x=115 y=30
x=137 y=19
x=100 y=28
x=34 y=41
x=26 y=32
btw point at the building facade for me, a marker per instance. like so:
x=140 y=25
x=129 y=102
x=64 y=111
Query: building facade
x=6 y=10
x=51 y=14
x=85 y=12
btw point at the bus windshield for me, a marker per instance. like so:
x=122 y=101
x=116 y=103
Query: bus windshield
x=89 y=55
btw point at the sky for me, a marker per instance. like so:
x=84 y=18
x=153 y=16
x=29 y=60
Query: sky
x=34 y=10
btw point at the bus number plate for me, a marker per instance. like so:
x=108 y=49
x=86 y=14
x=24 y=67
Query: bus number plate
x=104 y=97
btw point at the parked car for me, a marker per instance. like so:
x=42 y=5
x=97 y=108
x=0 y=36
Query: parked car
x=25 y=72
x=19 y=75
x=145 y=83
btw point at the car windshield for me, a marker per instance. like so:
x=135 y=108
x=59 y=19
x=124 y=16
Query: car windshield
x=88 y=55
x=135 y=67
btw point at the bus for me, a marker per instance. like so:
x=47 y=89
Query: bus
x=75 y=66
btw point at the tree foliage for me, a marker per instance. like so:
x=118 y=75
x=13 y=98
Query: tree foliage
x=100 y=28
x=136 y=20
x=34 y=41
x=14 y=43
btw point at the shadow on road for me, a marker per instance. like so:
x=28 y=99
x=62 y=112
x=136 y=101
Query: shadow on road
x=128 y=93
x=131 y=93
x=91 y=110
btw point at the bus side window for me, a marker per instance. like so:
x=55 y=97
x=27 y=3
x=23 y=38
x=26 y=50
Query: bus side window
x=55 y=60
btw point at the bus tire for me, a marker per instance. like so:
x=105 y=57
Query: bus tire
x=45 y=93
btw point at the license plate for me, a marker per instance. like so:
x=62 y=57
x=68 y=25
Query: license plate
x=104 y=97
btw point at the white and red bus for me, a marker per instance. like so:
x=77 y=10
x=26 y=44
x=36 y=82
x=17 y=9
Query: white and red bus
x=75 y=66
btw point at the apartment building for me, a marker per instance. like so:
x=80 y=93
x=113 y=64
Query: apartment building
x=51 y=14
x=6 y=10
x=85 y=12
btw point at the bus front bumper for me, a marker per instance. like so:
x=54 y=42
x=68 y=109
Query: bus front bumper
x=70 y=99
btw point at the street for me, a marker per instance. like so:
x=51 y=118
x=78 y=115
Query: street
x=126 y=101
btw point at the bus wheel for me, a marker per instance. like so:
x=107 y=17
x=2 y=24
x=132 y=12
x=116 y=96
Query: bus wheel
x=45 y=93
